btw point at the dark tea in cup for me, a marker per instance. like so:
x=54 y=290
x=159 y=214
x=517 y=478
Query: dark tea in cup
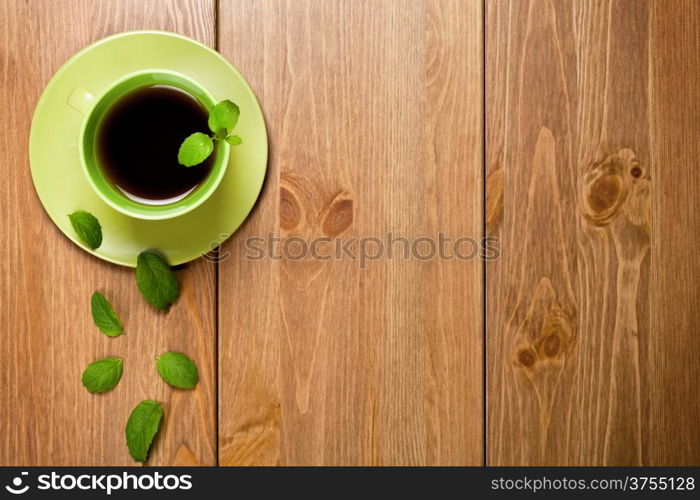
x=138 y=139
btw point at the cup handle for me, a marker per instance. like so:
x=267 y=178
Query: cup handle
x=80 y=100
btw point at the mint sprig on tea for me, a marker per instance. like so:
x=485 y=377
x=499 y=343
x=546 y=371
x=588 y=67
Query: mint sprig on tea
x=197 y=147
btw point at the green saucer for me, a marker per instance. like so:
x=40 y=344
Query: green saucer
x=63 y=188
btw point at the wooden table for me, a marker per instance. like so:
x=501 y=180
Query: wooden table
x=566 y=129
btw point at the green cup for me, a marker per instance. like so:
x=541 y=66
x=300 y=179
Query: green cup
x=94 y=109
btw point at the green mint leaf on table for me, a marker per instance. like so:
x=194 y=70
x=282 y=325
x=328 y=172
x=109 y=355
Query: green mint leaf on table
x=141 y=428
x=224 y=117
x=87 y=227
x=104 y=316
x=156 y=280
x=177 y=370
x=234 y=140
x=195 y=149
x=102 y=375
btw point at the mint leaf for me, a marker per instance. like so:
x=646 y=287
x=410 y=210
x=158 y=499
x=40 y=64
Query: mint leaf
x=156 y=280
x=224 y=116
x=195 y=149
x=177 y=370
x=198 y=146
x=104 y=316
x=234 y=140
x=141 y=428
x=102 y=375
x=87 y=227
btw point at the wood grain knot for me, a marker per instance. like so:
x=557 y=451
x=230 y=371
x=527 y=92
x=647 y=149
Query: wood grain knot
x=338 y=217
x=555 y=337
x=551 y=345
x=526 y=357
x=290 y=209
x=606 y=185
x=605 y=193
x=547 y=334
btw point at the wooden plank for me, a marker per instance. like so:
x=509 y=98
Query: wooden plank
x=531 y=289
x=579 y=353
x=374 y=112
x=674 y=398
x=46 y=416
